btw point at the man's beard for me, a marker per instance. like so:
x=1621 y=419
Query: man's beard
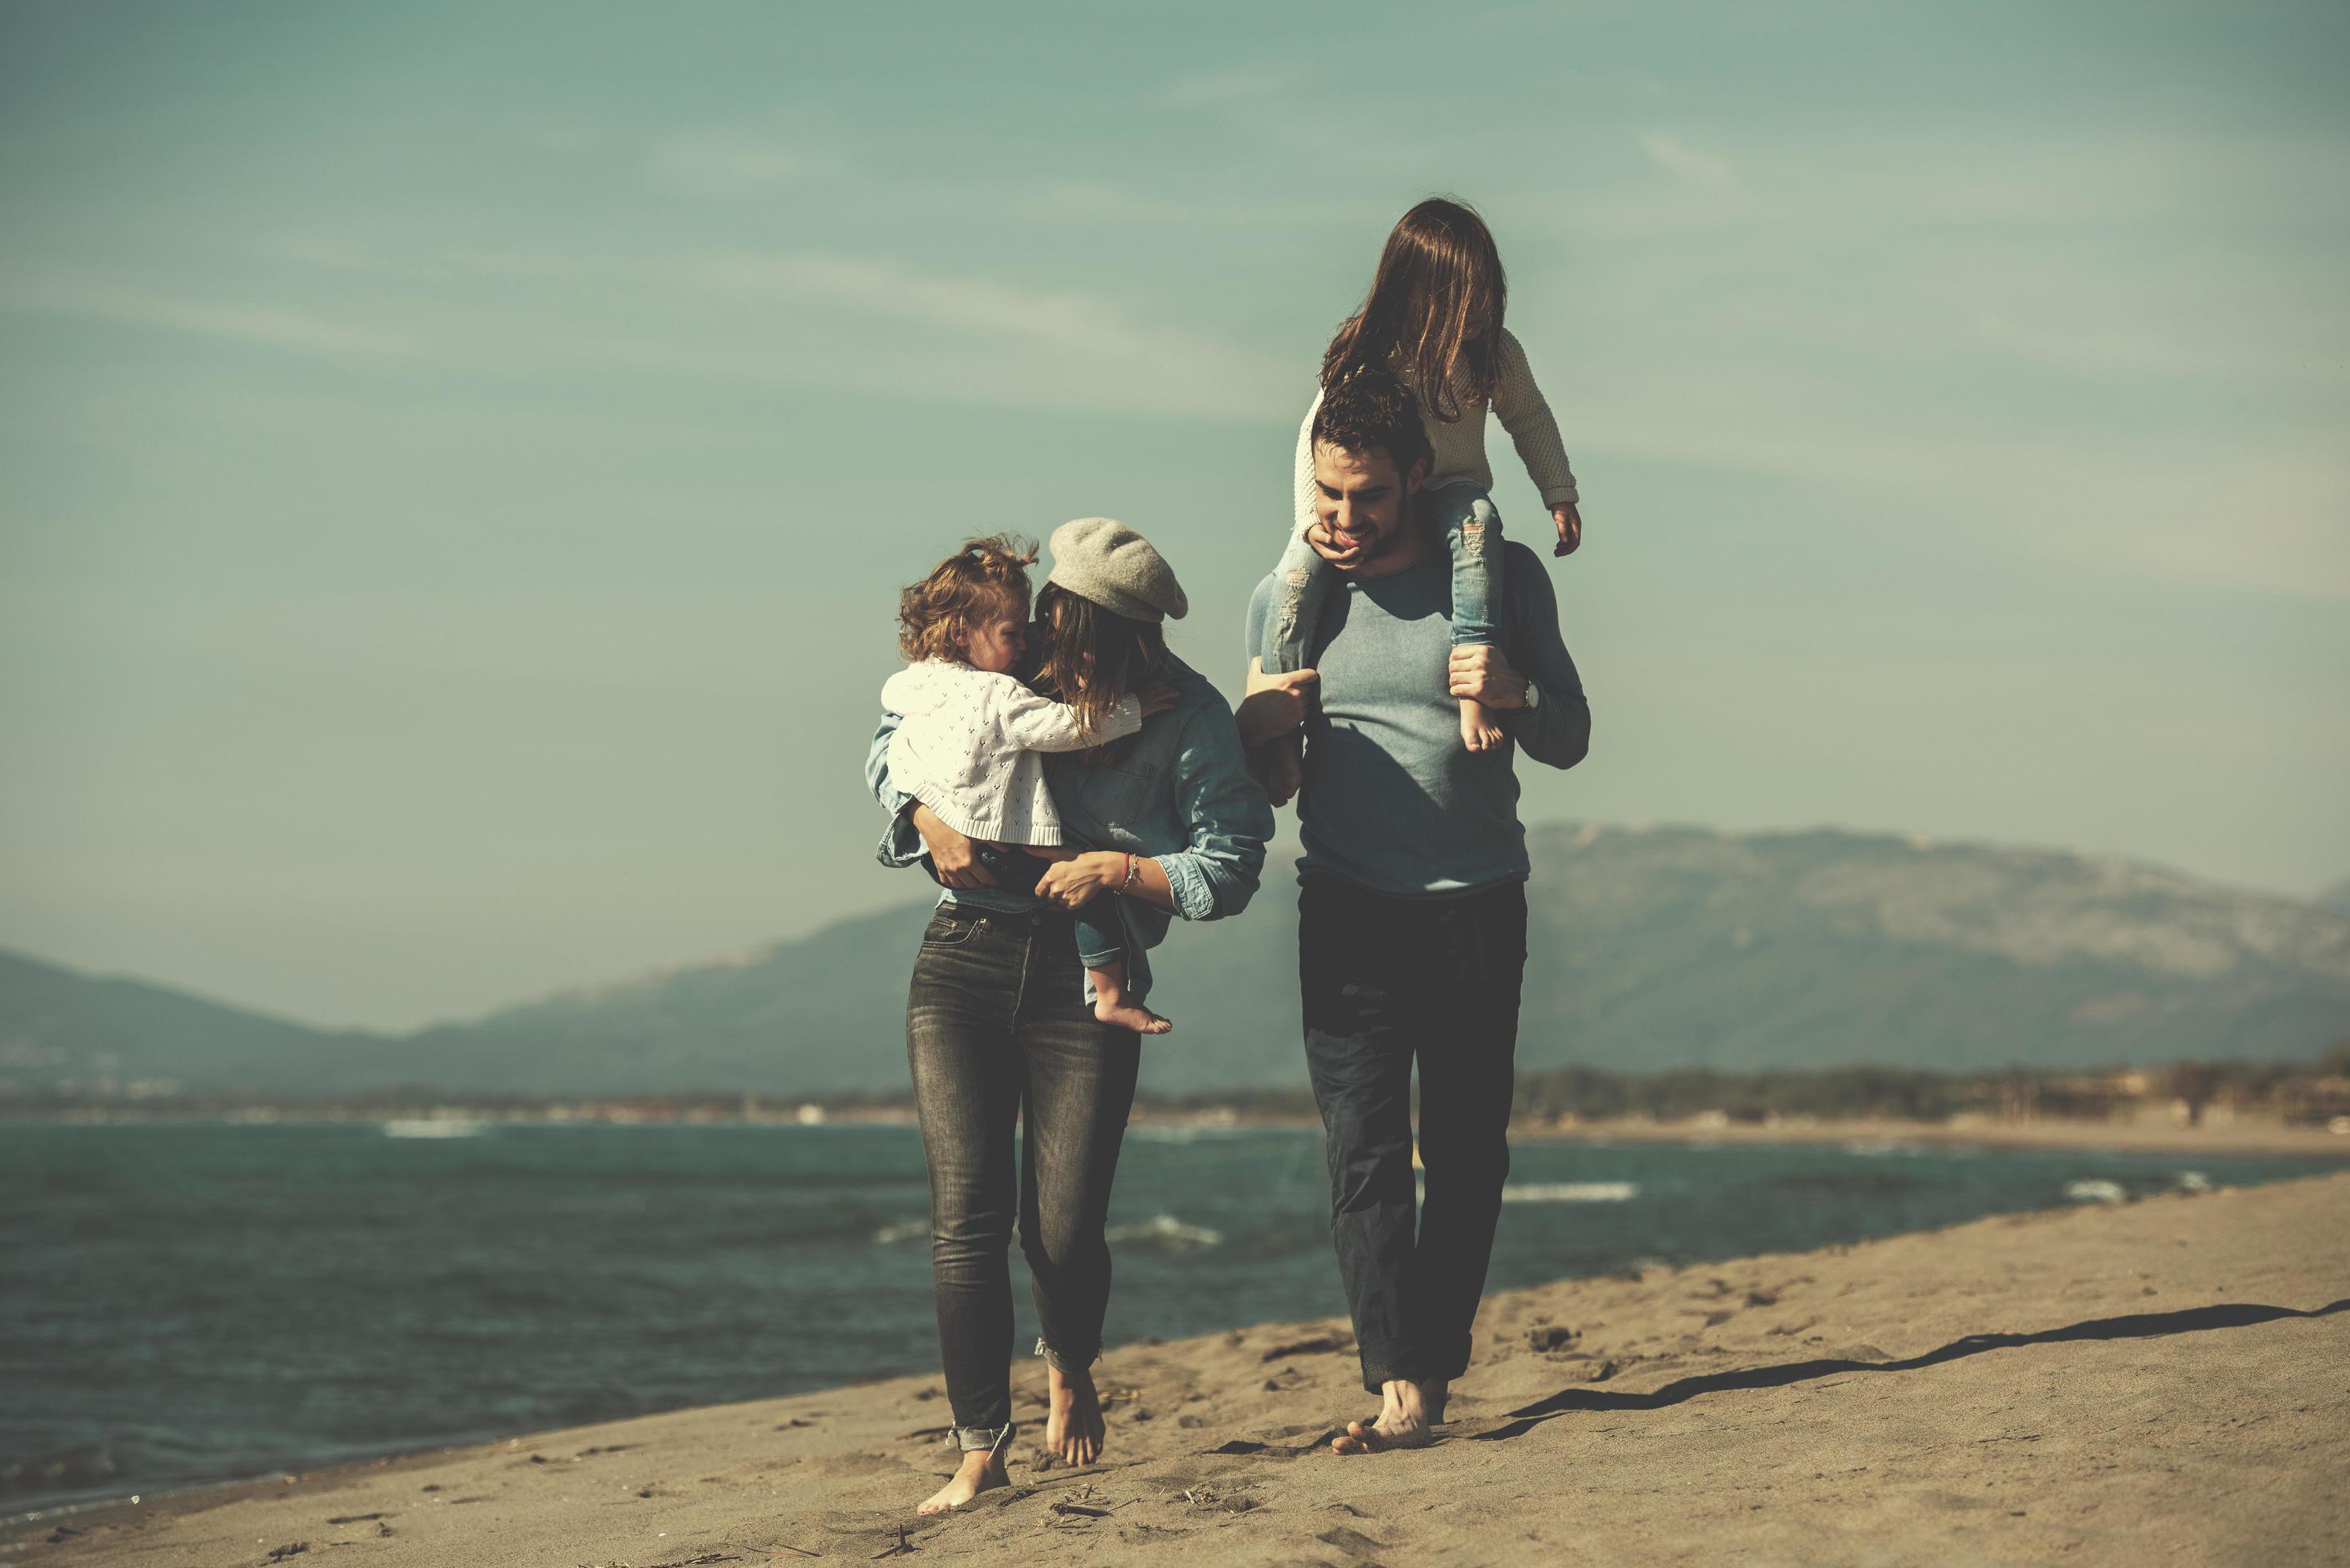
x=1392 y=541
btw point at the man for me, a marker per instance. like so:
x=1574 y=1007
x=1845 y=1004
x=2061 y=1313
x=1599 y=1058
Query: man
x=1412 y=916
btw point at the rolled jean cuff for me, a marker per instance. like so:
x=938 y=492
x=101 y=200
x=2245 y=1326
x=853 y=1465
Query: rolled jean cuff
x=1388 y=1363
x=981 y=1439
x=1061 y=1362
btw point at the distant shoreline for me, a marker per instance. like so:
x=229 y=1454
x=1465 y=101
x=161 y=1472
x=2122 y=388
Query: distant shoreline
x=2241 y=1135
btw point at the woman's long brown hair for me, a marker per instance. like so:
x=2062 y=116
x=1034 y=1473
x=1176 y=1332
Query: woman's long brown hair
x=1434 y=308
x=1098 y=656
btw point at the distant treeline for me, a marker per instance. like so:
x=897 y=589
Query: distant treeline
x=1871 y=1093
x=2294 y=1092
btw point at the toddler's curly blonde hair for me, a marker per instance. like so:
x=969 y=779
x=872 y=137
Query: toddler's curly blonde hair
x=937 y=616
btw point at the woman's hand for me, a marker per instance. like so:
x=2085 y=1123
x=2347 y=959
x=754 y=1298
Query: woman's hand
x=950 y=853
x=1072 y=884
x=1569 y=523
x=1157 y=698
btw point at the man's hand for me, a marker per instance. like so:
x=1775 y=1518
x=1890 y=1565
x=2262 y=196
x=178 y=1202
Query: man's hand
x=1072 y=884
x=1276 y=704
x=1569 y=521
x=950 y=852
x=1483 y=672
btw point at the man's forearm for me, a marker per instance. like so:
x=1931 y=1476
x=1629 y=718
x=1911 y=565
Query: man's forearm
x=1557 y=731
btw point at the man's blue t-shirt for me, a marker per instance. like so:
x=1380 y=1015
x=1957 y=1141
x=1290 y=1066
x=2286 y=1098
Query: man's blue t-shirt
x=1393 y=801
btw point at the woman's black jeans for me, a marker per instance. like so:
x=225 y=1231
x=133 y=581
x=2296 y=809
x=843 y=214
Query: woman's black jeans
x=999 y=1034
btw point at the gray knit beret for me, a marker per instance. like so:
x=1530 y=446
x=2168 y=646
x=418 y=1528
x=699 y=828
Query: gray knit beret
x=1102 y=559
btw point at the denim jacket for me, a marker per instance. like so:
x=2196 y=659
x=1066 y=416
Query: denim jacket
x=1180 y=792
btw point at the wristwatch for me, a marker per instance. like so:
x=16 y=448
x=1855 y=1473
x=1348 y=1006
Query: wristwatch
x=1533 y=696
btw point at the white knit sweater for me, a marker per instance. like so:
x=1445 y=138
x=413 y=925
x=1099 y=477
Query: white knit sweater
x=1461 y=445
x=971 y=745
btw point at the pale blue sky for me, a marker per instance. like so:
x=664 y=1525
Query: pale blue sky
x=458 y=459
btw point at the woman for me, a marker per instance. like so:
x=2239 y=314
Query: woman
x=999 y=1031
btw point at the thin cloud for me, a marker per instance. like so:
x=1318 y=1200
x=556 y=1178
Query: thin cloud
x=1230 y=84
x=1678 y=157
x=720 y=162
x=258 y=324
x=1077 y=349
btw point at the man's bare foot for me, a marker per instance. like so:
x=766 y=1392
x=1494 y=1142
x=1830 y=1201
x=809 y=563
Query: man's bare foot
x=982 y=1470
x=1073 y=1429
x=1480 y=731
x=1402 y=1422
x=1284 y=771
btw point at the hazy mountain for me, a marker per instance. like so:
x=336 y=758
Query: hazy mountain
x=110 y=1034
x=2337 y=896
x=1669 y=947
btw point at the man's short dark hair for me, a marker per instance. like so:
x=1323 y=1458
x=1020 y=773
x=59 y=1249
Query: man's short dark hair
x=1369 y=409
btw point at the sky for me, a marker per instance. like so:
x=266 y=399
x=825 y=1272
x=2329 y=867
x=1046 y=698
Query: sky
x=457 y=461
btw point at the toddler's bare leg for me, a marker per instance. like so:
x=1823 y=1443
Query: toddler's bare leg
x=1111 y=1005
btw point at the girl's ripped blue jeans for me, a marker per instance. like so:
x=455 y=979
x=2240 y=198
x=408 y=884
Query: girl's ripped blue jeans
x=1462 y=513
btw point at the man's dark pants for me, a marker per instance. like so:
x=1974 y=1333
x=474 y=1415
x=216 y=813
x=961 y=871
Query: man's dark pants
x=1388 y=981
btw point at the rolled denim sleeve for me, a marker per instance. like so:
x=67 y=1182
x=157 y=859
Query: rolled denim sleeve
x=1226 y=819
x=1557 y=732
x=901 y=844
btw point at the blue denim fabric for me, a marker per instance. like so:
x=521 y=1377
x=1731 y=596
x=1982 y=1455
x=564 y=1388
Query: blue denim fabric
x=1180 y=792
x=1471 y=529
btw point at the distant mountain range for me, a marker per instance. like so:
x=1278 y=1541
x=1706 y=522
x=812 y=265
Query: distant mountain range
x=1649 y=948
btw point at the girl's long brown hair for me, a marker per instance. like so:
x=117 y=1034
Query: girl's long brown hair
x=1098 y=656
x=1434 y=309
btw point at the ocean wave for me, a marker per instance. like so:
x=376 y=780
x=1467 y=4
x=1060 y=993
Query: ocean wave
x=2095 y=1191
x=2194 y=1181
x=1177 y=1132
x=903 y=1231
x=434 y=1127
x=1167 y=1234
x=1570 y=1191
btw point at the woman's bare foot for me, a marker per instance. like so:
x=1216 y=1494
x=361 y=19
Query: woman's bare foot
x=1403 y=1421
x=1074 y=1430
x=982 y=1470
x=1480 y=731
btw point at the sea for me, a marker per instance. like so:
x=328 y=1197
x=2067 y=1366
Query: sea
x=185 y=1304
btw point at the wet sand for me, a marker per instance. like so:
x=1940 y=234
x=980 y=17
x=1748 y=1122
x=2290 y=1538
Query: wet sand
x=2160 y=1382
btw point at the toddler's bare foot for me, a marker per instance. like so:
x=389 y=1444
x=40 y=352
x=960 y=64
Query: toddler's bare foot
x=1113 y=1008
x=1073 y=1428
x=1480 y=731
x=980 y=1471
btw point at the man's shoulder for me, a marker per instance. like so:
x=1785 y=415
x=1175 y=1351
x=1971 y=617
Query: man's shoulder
x=1524 y=571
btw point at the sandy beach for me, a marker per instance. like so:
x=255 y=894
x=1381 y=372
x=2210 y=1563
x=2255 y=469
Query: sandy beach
x=2166 y=1381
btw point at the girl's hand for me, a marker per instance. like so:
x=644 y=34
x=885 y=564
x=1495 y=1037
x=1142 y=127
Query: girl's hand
x=1570 y=529
x=1072 y=884
x=1157 y=698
